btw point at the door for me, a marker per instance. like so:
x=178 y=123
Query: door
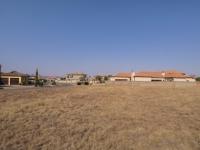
x=14 y=81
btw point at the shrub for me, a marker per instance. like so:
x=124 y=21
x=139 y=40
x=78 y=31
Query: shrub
x=53 y=82
x=78 y=83
x=40 y=83
x=86 y=83
x=198 y=79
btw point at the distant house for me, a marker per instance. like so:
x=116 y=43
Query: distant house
x=178 y=76
x=50 y=78
x=14 y=78
x=74 y=78
x=123 y=76
x=47 y=80
x=150 y=76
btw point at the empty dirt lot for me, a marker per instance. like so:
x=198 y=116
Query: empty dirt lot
x=117 y=117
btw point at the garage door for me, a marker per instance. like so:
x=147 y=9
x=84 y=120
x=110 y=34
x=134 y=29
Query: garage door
x=14 y=81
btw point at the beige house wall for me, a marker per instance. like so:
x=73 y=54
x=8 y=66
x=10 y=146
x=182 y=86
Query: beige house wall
x=74 y=78
x=180 y=80
x=145 y=79
x=73 y=81
x=112 y=78
x=190 y=80
x=61 y=81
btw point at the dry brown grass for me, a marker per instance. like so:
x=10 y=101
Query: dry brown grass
x=118 y=117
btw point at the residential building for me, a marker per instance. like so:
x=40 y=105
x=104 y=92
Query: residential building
x=123 y=76
x=74 y=78
x=150 y=76
x=14 y=78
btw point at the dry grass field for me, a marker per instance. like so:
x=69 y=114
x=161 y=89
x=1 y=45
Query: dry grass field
x=117 y=117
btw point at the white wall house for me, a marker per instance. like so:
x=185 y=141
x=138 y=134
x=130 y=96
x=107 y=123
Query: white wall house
x=74 y=78
x=14 y=78
x=150 y=76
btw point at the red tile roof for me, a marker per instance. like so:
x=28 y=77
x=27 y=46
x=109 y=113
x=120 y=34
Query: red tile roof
x=174 y=74
x=149 y=74
x=155 y=74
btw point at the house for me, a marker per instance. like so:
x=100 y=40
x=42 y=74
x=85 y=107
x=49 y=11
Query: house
x=74 y=78
x=170 y=75
x=14 y=78
x=148 y=76
x=48 y=80
x=174 y=75
x=124 y=76
x=152 y=76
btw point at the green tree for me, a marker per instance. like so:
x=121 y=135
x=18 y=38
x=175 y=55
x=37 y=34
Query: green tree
x=98 y=78
x=36 y=78
x=106 y=78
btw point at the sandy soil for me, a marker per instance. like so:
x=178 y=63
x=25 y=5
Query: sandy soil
x=117 y=117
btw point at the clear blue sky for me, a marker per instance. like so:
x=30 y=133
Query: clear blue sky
x=99 y=36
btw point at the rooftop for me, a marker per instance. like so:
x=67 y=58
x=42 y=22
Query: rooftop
x=13 y=73
x=155 y=74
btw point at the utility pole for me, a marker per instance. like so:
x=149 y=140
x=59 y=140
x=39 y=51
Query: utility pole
x=36 y=78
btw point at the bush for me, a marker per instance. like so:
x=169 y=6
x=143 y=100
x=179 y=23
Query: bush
x=198 y=79
x=54 y=83
x=106 y=78
x=78 y=83
x=86 y=83
x=41 y=83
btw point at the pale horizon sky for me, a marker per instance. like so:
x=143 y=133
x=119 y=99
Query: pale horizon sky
x=99 y=36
